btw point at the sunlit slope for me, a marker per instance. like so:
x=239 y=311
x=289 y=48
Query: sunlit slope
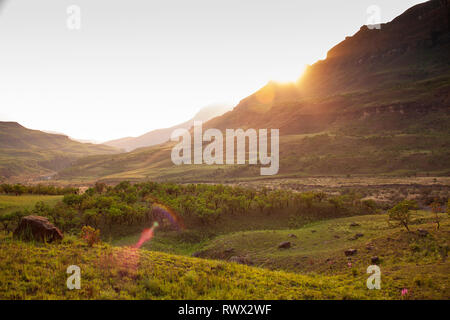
x=320 y=246
x=25 y=152
x=406 y=259
x=29 y=271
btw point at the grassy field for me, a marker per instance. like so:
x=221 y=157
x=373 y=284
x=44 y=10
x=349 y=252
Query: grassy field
x=406 y=259
x=314 y=267
x=32 y=271
x=10 y=203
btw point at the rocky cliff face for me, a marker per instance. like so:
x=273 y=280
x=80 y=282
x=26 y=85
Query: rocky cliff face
x=405 y=62
x=423 y=26
x=412 y=47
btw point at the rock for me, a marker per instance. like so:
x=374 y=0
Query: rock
x=375 y=260
x=356 y=236
x=354 y=224
x=291 y=235
x=37 y=228
x=422 y=232
x=350 y=252
x=284 y=245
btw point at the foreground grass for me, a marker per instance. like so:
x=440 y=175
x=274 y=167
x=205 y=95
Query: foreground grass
x=10 y=203
x=38 y=271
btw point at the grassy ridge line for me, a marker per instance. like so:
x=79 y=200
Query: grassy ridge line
x=31 y=271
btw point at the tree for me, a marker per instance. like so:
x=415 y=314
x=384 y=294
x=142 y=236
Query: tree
x=401 y=212
x=19 y=189
x=436 y=208
x=99 y=187
x=6 y=220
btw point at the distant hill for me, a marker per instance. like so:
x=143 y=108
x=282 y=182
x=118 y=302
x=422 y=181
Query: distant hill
x=378 y=104
x=163 y=135
x=31 y=153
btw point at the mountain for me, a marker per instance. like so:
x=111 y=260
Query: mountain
x=404 y=65
x=163 y=135
x=72 y=138
x=31 y=153
x=378 y=104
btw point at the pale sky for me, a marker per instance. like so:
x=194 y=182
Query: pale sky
x=138 y=65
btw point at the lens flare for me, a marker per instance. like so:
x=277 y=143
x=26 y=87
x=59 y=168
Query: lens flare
x=162 y=211
x=146 y=235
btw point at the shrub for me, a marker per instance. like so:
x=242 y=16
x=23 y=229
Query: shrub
x=90 y=235
x=401 y=213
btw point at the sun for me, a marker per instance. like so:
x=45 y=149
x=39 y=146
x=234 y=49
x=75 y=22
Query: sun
x=286 y=75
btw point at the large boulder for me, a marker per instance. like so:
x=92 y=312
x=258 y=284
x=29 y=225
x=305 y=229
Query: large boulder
x=37 y=228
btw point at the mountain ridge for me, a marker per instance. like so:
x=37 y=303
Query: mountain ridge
x=162 y=135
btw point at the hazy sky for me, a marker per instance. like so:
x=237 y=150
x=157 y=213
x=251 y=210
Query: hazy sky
x=137 y=65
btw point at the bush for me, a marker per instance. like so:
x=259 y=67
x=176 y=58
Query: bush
x=90 y=235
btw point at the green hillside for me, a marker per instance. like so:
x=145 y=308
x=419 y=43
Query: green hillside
x=32 y=153
x=315 y=267
x=235 y=234
x=406 y=259
x=30 y=271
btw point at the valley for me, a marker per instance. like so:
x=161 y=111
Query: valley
x=285 y=245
